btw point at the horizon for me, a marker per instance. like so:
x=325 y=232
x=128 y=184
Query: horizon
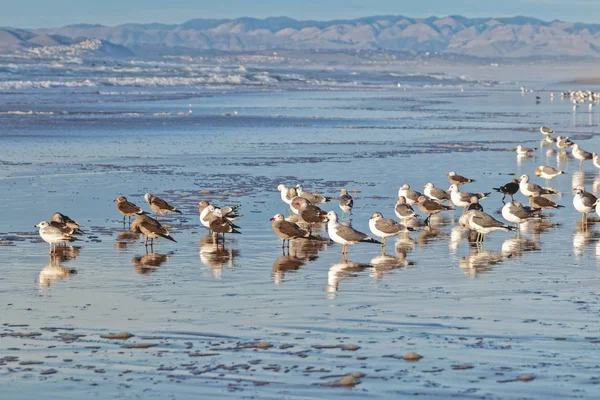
x=59 y=13
x=304 y=20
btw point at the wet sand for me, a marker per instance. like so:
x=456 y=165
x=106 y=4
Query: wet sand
x=516 y=318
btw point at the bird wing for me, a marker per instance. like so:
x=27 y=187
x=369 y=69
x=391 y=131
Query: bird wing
x=346 y=200
x=404 y=210
x=486 y=220
x=350 y=234
x=161 y=204
x=291 y=229
x=520 y=212
x=128 y=207
x=440 y=194
x=388 y=225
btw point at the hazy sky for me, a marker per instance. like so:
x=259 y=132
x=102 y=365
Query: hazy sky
x=49 y=13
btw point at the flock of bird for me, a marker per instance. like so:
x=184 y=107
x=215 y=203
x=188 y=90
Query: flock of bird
x=305 y=212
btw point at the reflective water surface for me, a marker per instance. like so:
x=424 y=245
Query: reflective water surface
x=243 y=317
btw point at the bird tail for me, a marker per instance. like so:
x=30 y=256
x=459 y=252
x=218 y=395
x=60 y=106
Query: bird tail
x=142 y=212
x=78 y=231
x=327 y=199
x=72 y=239
x=551 y=190
x=177 y=211
x=498 y=190
x=370 y=240
x=561 y=172
x=559 y=206
x=410 y=228
x=233 y=230
x=472 y=180
x=169 y=237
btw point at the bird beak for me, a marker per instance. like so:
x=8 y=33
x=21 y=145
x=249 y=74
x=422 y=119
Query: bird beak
x=424 y=186
x=416 y=201
x=272 y=219
x=115 y=200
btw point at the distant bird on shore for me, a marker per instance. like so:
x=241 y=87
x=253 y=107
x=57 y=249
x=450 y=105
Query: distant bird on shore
x=563 y=142
x=53 y=235
x=537 y=202
x=346 y=202
x=435 y=193
x=509 y=189
x=475 y=204
x=207 y=213
x=222 y=225
x=525 y=151
x=159 y=206
x=403 y=210
x=583 y=204
x=458 y=180
x=127 y=208
x=548 y=173
x=483 y=223
x=545 y=130
x=515 y=213
x=287 y=194
x=430 y=207
x=528 y=189
x=151 y=229
x=580 y=154
x=463 y=199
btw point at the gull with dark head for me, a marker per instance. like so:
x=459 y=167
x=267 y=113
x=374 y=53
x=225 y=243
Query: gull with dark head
x=509 y=189
x=430 y=207
x=159 y=206
x=151 y=229
x=127 y=208
x=287 y=230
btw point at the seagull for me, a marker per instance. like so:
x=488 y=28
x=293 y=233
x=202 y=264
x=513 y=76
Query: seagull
x=515 y=213
x=525 y=151
x=346 y=202
x=402 y=209
x=548 y=139
x=65 y=224
x=580 y=154
x=435 y=193
x=309 y=213
x=314 y=198
x=53 y=235
x=463 y=199
x=583 y=204
x=510 y=189
x=484 y=223
x=563 y=142
x=545 y=130
x=287 y=230
x=474 y=204
x=430 y=207
x=411 y=196
x=344 y=234
x=458 y=180
x=286 y=193
x=127 y=208
x=529 y=188
x=221 y=225
x=548 y=172
x=150 y=228
x=538 y=202
x=158 y=205
x=207 y=214
x=385 y=227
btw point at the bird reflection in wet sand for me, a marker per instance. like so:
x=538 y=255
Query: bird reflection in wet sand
x=385 y=263
x=216 y=255
x=515 y=247
x=66 y=253
x=126 y=238
x=344 y=270
x=149 y=263
x=583 y=238
x=479 y=261
x=427 y=235
x=53 y=272
x=403 y=246
x=285 y=264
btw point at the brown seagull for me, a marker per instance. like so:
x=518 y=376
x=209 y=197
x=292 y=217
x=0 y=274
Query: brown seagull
x=127 y=208
x=150 y=228
x=287 y=230
x=158 y=205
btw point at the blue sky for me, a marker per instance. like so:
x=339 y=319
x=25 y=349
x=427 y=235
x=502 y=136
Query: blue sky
x=49 y=13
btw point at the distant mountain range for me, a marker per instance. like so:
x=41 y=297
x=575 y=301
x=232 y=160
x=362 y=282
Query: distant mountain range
x=480 y=37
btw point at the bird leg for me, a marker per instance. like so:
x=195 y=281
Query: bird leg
x=383 y=242
x=427 y=220
x=504 y=195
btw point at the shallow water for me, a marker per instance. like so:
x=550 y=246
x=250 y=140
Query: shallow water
x=247 y=321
